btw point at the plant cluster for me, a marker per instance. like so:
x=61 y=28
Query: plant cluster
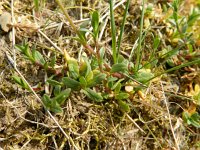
x=119 y=79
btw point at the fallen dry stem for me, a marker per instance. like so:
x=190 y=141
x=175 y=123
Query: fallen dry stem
x=170 y=121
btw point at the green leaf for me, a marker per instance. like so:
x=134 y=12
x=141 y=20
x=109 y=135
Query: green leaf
x=17 y=79
x=53 y=61
x=193 y=119
x=60 y=98
x=83 y=81
x=55 y=107
x=46 y=101
x=120 y=67
x=85 y=24
x=110 y=81
x=95 y=23
x=85 y=67
x=192 y=18
x=24 y=49
x=102 y=52
x=116 y=85
x=71 y=83
x=122 y=95
x=89 y=76
x=95 y=20
x=84 y=30
x=38 y=57
x=94 y=63
x=156 y=43
x=143 y=76
x=73 y=68
x=93 y=95
x=36 y=4
x=122 y=27
x=97 y=79
x=53 y=82
x=81 y=34
x=121 y=59
x=197 y=98
x=21 y=82
x=123 y=106
x=57 y=90
x=184 y=28
x=175 y=5
x=50 y=104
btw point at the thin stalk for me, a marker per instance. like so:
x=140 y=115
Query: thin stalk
x=122 y=27
x=75 y=29
x=138 y=52
x=113 y=31
x=176 y=68
x=67 y=16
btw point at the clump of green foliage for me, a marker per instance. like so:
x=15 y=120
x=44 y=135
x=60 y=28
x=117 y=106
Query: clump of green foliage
x=118 y=79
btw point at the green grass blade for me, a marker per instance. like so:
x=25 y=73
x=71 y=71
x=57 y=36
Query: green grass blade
x=122 y=27
x=36 y=4
x=195 y=62
x=138 y=52
x=113 y=31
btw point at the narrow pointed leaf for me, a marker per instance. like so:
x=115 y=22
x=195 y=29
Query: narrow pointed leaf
x=73 y=68
x=93 y=95
x=95 y=20
x=53 y=82
x=17 y=79
x=97 y=79
x=143 y=76
x=122 y=95
x=55 y=107
x=57 y=90
x=60 y=98
x=38 y=57
x=83 y=81
x=85 y=67
x=21 y=82
x=53 y=61
x=71 y=83
x=123 y=105
x=46 y=101
x=120 y=67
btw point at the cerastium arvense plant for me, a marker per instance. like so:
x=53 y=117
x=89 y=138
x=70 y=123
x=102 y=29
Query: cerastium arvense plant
x=95 y=76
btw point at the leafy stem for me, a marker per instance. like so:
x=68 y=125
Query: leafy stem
x=75 y=29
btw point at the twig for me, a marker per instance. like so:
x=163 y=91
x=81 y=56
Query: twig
x=103 y=28
x=135 y=123
x=48 y=39
x=114 y=7
x=13 y=33
x=170 y=121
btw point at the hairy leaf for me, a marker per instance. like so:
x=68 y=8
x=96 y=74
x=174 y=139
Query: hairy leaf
x=93 y=95
x=71 y=83
x=60 y=98
x=120 y=67
x=123 y=105
x=97 y=79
